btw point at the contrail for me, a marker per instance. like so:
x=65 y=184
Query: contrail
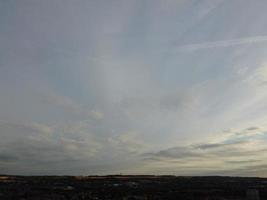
x=222 y=43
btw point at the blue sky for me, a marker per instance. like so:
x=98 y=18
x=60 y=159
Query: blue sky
x=134 y=87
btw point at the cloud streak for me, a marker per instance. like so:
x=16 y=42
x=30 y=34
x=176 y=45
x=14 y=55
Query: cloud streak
x=222 y=43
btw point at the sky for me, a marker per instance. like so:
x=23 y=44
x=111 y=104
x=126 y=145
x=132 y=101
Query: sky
x=174 y=87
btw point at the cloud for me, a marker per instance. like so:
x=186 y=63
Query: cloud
x=97 y=114
x=252 y=128
x=128 y=141
x=175 y=152
x=260 y=74
x=70 y=106
x=18 y=130
x=242 y=161
x=7 y=158
x=222 y=43
x=178 y=101
x=218 y=145
x=35 y=145
x=231 y=153
x=107 y=90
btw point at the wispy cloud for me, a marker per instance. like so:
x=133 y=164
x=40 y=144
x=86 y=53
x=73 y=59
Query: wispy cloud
x=222 y=43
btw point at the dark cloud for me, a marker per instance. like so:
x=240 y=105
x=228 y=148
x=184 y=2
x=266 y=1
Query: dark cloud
x=218 y=145
x=253 y=128
x=242 y=161
x=210 y=146
x=7 y=158
x=176 y=152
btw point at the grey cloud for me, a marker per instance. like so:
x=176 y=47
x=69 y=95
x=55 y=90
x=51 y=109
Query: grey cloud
x=142 y=102
x=38 y=149
x=33 y=146
x=253 y=128
x=70 y=107
x=242 y=161
x=210 y=146
x=15 y=131
x=229 y=148
x=169 y=101
x=7 y=158
x=46 y=151
x=218 y=145
x=177 y=101
x=176 y=152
